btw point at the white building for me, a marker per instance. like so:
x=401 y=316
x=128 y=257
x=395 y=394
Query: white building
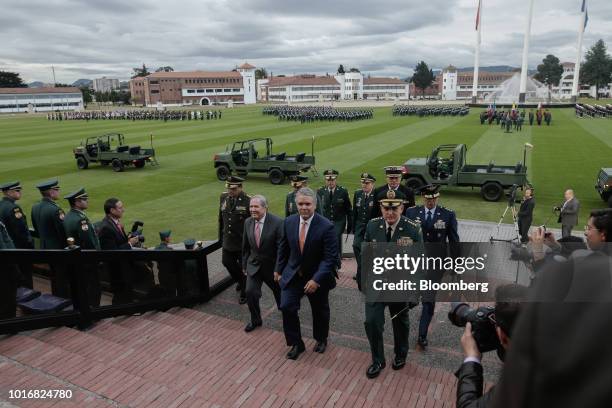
x=564 y=90
x=457 y=85
x=105 y=84
x=13 y=100
x=248 y=80
x=348 y=86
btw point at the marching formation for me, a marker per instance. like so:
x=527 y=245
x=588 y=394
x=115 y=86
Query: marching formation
x=433 y=110
x=513 y=119
x=134 y=115
x=584 y=110
x=309 y=114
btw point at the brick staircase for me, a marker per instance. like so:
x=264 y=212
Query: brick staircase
x=186 y=358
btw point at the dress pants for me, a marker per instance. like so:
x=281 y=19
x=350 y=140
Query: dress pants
x=523 y=225
x=253 y=293
x=375 y=325
x=291 y=297
x=232 y=260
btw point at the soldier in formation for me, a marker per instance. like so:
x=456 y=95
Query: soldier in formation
x=309 y=114
x=133 y=115
x=434 y=110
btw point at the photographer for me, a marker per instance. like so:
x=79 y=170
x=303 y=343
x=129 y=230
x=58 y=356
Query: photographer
x=525 y=214
x=470 y=374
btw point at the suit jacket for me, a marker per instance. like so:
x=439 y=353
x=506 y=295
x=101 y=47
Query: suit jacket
x=262 y=259
x=110 y=237
x=320 y=254
x=569 y=213
x=525 y=212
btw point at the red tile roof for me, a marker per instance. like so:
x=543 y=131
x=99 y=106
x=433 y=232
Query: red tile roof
x=25 y=91
x=385 y=81
x=195 y=74
x=303 y=80
x=246 y=65
x=484 y=77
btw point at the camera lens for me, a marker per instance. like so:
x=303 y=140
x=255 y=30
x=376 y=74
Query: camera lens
x=458 y=313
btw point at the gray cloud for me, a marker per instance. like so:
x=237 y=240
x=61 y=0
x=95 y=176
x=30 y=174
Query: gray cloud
x=388 y=37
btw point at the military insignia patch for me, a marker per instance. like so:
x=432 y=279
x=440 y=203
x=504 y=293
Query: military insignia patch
x=240 y=208
x=18 y=213
x=61 y=215
x=84 y=225
x=371 y=204
x=405 y=241
x=440 y=224
x=391 y=194
x=224 y=205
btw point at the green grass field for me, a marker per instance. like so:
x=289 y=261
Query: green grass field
x=182 y=193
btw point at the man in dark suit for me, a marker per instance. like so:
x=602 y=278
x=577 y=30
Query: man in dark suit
x=262 y=236
x=112 y=236
x=568 y=213
x=525 y=214
x=394 y=177
x=439 y=226
x=305 y=266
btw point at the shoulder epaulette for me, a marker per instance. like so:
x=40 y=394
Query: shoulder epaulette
x=413 y=223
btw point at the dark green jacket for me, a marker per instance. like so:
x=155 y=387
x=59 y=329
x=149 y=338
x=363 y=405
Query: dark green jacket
x=338 y=208
x=290 y=205
x=78 y=226
x=376 y=231
x=5 y=240
x=231 y=220
x=402 y=192
x=163 y=247
x=48 y=222
x=362 y=213
x=16 y=223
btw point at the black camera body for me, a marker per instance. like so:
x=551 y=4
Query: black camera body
x=136 y=231
x=511 y=194
x=520 y=253
x=483 y=324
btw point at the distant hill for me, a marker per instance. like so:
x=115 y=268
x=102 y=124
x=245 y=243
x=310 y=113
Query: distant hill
x=36 y=84
x=83 y=82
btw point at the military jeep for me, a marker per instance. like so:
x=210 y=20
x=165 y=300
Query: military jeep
x=111 y=149
x=255 y=156
x=604 y=184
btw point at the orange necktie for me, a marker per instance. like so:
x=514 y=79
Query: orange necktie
x=302 y=236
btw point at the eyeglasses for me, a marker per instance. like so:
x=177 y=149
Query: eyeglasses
x=590 y=227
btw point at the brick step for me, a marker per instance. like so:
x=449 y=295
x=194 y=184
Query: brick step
x=198 y=359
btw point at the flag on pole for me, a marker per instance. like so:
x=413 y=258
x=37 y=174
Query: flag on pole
x=584 y=10
x=478 y=15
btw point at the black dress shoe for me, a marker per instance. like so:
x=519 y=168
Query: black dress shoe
x=422 y=341
x=320 y=346
x=242 y=300
x=251 y=326
x=295 y=351
x=398 y=362
x=375 y=369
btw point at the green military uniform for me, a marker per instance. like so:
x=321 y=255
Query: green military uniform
x=297 y=182
x=166 y=273
x=80 y=229
x=376 y=231
x=232 y=213
x=363 y=205
x=336 y=207
x=16 y=224
x=8 y=278
x=401 y=191
x=48 y=223
x=189 y=285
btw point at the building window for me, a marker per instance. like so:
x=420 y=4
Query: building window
x=154 y=91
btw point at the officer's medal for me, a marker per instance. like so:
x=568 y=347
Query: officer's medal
x=18 y=213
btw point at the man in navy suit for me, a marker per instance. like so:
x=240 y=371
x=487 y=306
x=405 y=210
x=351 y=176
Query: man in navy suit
x=305 y=266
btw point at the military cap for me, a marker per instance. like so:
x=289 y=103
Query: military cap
x=330 y=174
x=48 y=185
x=367 y=177
x=164 y=234
x=12 y=185
x=189 y=243
x=430 y=191
x=298 y=179
x=391 y=202
x=234 y=182
x=79 y=194
x=393 y=170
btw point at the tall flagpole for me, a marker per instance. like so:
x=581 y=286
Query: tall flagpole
x=575 y=83
x=477 y=52
x=524 y=68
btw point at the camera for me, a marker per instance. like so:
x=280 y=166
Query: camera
x=520 y=253
x=483 y=324
x=512 y=195
x=136 y=231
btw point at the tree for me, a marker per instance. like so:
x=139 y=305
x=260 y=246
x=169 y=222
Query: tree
x=597 y=67
x=140 y=72
x=86 y=94
x=423 y=77
x=341 y=69
x=354 y=70
x=163 y=69
x=261 y=73
x=549 y=72
x=11 y=80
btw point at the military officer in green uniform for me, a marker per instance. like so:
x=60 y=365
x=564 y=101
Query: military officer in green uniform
x=233 y=210
x=297 y=182
x=189 y=285
x=336 y=207
x=8 y=278
x=166 y=273
x=48 y=222
x=363 y=204
x=393 y=175
x=79 y=228
x=391 y=227
x=16 y=224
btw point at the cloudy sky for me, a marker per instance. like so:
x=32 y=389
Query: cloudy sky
x=88 y=39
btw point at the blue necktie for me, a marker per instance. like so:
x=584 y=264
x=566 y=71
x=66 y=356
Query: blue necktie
x=429 y=218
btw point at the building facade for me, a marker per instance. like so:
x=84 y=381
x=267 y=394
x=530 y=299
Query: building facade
x=105 y=84
x=13 y=100
x=195 y=88
x=457 y=85
x=564 y=90
x=385 y=89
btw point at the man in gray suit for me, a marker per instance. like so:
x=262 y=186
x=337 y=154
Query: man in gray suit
x=568 y=213
x=260 y=241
